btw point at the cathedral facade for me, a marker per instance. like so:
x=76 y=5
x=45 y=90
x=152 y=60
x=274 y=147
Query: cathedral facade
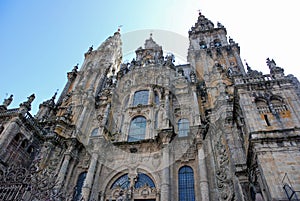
x=155 y=131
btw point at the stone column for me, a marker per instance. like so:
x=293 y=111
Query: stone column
x=88 y=182
x=151 y=96
x=165 y=136
x=63 y=170
x=203 y=182
x=165 y=177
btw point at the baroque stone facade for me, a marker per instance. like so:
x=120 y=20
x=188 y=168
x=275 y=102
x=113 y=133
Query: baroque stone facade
x=153 y=130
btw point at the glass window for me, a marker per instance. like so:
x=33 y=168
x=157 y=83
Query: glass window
x=137 y=129
x=78 y=187
x=143 y=180
x=186 y=184
x=156 y=98
x=122 y=182
x=183 y=127
x=141 y=97
x=94 y=132
x=202 y=45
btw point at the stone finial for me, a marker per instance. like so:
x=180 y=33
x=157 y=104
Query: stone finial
x=252 y=73
x=26 y=106
x=75 y=68
x=203 y=24
x=50 y=102
x=90 y=50
x=8 y=101
x=275 y=71
x=271 y=63
x=231 y=41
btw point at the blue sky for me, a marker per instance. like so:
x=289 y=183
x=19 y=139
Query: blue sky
x=41 y=40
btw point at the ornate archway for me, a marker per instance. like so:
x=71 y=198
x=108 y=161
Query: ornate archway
x=141 y=188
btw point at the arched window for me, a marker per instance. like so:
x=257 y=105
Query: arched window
x=141 y=98
x=183 y=127
x=156 y=98
x=18 y=137
x=217 y=43
x=94 y=132
x=278 y=104
x=78 y=188
x=24 y=143
x=122 y=182
x=186 y=191
x=202 y=45
x=30 y=149
x=262 y=106
x=141 y=181
x=137 y=129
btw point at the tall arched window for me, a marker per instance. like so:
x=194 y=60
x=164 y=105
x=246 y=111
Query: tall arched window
x=137 y=129
x=141 y=98
x=156 y=98
x=78 y=188
x=186 y=191
x=183 y=127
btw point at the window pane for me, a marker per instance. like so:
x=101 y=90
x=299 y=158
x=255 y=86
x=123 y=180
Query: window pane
x=78 y=187
x=137 y=129
x=141 y=97
x=156 y=98
x=122 y=182
x=186 y=184
x=94 y=132
x=183 y=127
x=143 y=180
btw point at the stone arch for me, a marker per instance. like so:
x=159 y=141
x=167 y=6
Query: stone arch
x=262 y=105
x=120 y=182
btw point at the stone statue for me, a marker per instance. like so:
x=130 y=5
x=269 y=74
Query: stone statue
x=75 y=68
x=121 y=197
x=90 y=49
x=8 y=101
